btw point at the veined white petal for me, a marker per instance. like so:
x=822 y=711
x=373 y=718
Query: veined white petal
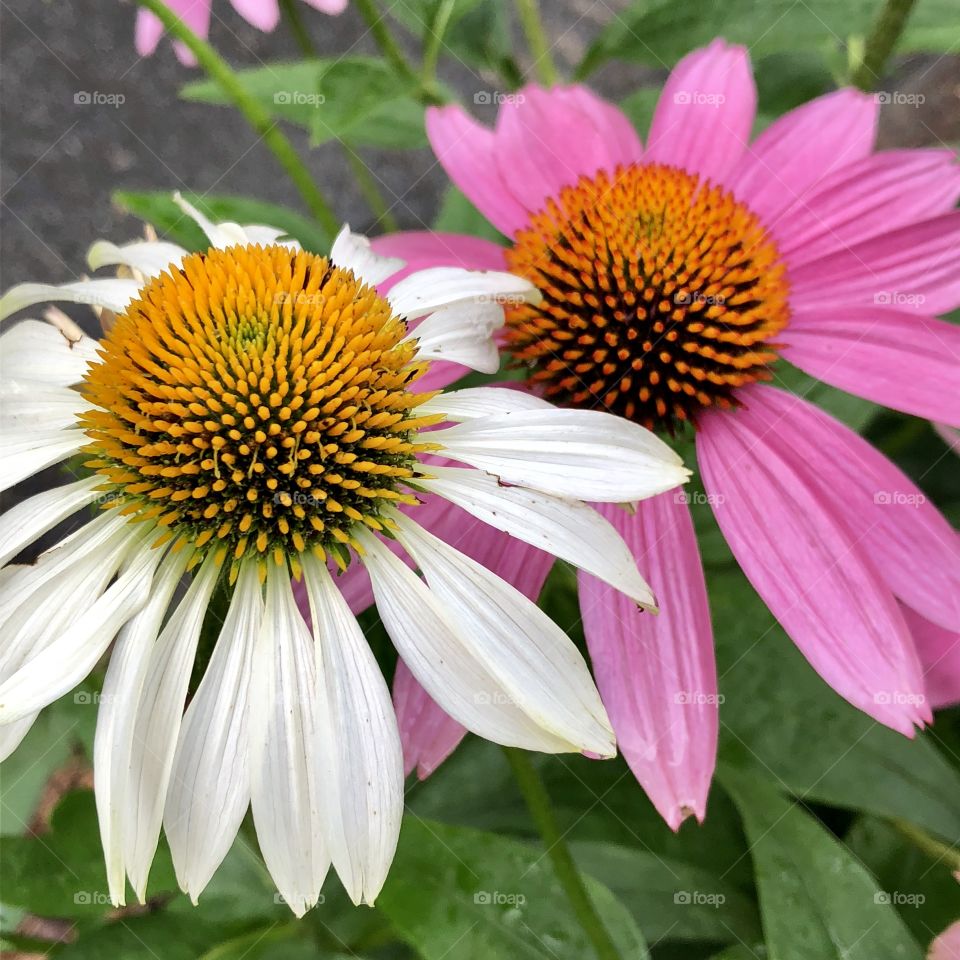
x=361 y=741
x=462 y=333
x=33 y=405
x=42 y=603
x=45 y=353
x=26 y=452
x=219 y=234
x=443 y=661
x=64 y=662
x=478 y=402
x=210 y=784
x=352 y=251
x=286 y=796
x=150 y=257
x=428 y=290
x=157 y=724
x=585 y=454
x=32 y=518
x=569 y=529
x=116 y=717
x=112 y=293
x=535 y=661
x=12 y=734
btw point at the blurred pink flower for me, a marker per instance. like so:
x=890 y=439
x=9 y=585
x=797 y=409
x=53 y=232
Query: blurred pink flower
x=673 y=274
x=947 y=945
x=262 y=14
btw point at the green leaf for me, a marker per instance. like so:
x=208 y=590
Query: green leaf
x=483 y=896
x=458 y=215
x=356 y=99
x=780 y=719
x=662 y=31
x=63 y=728
x=158 y=208
x=923 y=890
x=669 y=899
x=816 y=899
x=145 y=938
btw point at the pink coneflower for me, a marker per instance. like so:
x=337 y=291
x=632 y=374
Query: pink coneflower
x=262 y=14
x=673 y=276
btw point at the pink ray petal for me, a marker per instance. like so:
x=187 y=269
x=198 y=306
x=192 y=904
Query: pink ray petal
x=913 y=268
x=909 y=542
x=330 y=7
x=865 y=199
x=939 y=652
x=793 y=543
x=703 y=119
x=794 y=154
x=947 y=945
x=422 y=249
x=466 y=150
x=901 y=360
x=656 y=674
x=262 y=14
x=547 y=139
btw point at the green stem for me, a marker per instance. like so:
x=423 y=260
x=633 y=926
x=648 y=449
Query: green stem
x=881 y=42
x=529 y=13
x=263 y=124
x=384 y=38
x=368 y=186
x=932 y=847
x=371 y=192
x=538 y=802
x=291 y=13
x=431 y=50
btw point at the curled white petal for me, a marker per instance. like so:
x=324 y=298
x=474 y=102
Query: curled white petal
x=46 y=354
x=428 y=290
x=478 y=402
x=352 y=251
x=149 y=257
x=462 y=333
x=111 y=294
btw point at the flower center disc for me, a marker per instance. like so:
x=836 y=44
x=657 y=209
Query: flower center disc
x=660 y=294
x=255 y=399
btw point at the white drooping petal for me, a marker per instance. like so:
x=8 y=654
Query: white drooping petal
x=462 y=333
x=219 y=234
x=535 y=661
x=352 y=251
x=45 y=354
x=433 y=647
x=585 y=454
x=116 y=718
x=31 y=518
x=428 y=290
x=33 y=405
x=568 y=529
x=149 y=257
x=157 y=725
x=478 y=402
x=28 y=451
x=109 y=293
x=210 y=783
x=360 y=743
x=65 y=661
x=285 y=710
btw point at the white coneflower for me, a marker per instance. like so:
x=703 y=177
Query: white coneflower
x=252 y=413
